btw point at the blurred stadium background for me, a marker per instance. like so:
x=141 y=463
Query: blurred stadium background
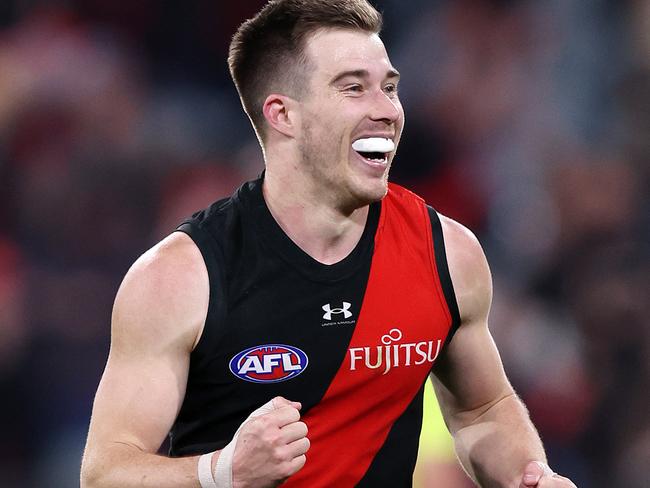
x=528 y=121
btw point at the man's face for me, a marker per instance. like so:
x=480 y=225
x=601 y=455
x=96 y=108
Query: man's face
x=352 y=95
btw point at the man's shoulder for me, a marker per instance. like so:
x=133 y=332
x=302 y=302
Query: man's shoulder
x=165 y=292
x=468 y=267
x=459 y=236
x=176 y=255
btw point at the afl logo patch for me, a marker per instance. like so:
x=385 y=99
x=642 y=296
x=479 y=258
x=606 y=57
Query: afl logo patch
x=270 y=363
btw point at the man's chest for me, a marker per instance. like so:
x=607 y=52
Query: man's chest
x=288 y=335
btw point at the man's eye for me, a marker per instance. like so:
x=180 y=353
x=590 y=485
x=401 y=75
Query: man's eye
x=391 y=88
x=354 y=88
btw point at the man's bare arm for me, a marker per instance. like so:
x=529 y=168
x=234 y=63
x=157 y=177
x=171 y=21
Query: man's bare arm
x=158 y=315
x=493 y=435
x=158 y=318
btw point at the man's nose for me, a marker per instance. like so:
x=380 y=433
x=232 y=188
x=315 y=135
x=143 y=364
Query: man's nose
x=385 y=108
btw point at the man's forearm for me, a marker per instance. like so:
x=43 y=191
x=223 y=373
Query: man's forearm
x=497 y=445
x=125 y=466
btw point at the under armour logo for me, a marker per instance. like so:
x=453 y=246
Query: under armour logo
x=329 y=311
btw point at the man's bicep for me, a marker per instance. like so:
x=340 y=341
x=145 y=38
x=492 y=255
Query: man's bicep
x=138 y=400
x=468 y=377
x=158 y=314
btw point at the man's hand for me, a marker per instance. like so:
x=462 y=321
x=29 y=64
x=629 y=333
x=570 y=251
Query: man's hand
x=271 y=446
x=539 y=475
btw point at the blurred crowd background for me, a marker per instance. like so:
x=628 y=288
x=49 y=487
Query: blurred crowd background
x=528 y=121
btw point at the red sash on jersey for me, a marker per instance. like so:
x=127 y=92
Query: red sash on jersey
x=404 y=320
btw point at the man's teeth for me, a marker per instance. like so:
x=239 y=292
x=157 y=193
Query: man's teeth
x=379 y=158
x=374 y=145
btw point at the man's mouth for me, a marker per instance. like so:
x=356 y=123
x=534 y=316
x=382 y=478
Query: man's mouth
x=374 y=149
x=375 y=157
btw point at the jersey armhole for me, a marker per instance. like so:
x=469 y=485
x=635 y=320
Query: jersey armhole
x=211 y=254
x=443 y=272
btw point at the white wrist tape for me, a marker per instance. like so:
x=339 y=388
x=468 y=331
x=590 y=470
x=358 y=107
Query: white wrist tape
x=222 y=476
x=205 y=471
x=223 y=469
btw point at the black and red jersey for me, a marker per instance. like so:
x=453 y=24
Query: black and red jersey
x=352 y=341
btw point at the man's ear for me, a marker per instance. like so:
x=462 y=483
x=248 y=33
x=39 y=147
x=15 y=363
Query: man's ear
x=279 y=112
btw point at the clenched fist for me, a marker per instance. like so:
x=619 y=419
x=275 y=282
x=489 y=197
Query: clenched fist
x=271 y=445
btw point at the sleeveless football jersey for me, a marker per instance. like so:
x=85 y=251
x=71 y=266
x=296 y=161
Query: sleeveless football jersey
x=352 y=341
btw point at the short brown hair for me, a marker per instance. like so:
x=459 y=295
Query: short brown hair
x=267 y=52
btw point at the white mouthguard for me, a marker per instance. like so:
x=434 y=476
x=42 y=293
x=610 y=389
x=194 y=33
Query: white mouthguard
x=374 y=144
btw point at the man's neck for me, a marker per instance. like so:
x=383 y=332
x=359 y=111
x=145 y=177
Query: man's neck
x=323 y=231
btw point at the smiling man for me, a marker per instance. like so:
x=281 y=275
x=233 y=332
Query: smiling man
x=285 y=334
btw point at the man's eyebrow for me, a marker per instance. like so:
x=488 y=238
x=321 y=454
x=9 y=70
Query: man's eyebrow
x=362 y=73
x=393 y=73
